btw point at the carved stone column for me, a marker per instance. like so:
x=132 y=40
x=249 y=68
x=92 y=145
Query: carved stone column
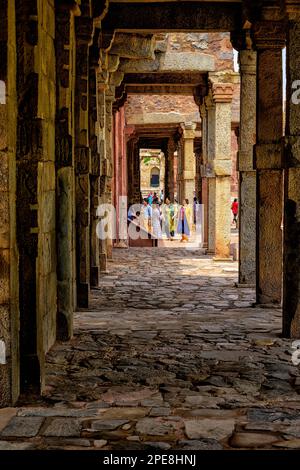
x=188 y=170
x=204 y=179
x=109 y=99
x=222 y=96
x=291 y=261
x=9 y=314
x=95 y=173
x=210 y=175
x=171 y=176
x=82 y=159
x=65 y=176
x=247 y=173
x=102 y=79
x=269 y=39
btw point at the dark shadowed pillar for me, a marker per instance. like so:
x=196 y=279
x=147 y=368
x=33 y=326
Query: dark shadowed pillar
x=291 y=263
x=269 y=39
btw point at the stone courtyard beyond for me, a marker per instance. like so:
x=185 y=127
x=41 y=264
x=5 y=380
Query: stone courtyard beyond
x=170 y=355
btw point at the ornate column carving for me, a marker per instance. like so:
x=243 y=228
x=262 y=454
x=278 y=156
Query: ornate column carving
x=64 y=160
x=84 y=29
x=95 y=167
x=291 y=247
x=269 y=39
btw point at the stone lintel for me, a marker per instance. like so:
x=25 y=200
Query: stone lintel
x=160 y=118
x=165 y=78
x=173 y=17
x=268 y=156
x=172 y=62
x=222 y=167
x=160 y=89
x=292 y=151
x=222 y=92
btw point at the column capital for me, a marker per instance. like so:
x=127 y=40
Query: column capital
x=188 y=130
x=247 y=61
x=292 y=8
x=222 y=92
x=241 y=39
x=269 y=34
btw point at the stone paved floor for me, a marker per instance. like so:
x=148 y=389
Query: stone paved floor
x=171 y=355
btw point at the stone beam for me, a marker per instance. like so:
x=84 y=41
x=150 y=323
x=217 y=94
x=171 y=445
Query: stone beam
x=184 y=78
x=161 y=118
x=173 y=62
x=168 y=17
x=160 y=89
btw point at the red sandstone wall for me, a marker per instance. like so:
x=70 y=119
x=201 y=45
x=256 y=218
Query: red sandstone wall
x=217 y=44
x=139 y=104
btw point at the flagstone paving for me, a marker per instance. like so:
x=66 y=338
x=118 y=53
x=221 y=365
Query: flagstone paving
x=170 y=355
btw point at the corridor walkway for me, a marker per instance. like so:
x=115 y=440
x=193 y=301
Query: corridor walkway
x=170 y=355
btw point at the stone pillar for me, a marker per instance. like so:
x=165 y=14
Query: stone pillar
x=188 y=162
x=65 y=176
x=109 y=99
x=291 y=264
x=179 y=173
x=247 y=174
x=82 y=159
x=171 y=174
x=134 y=193
x=101 y=87
x=218 y=169
x=210 y=176
x=204 y=179
x=9 y=315
x=269 y=39
x=95 y=175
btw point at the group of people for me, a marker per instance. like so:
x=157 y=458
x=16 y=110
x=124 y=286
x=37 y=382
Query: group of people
x=168 y=218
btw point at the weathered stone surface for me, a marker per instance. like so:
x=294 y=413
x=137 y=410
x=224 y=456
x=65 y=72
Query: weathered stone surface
x=63 y=427
x=22 y=427
x=6 y=414
x=100 y=443
x=203 y=444
x=7 y=445
x=252 y=440
x=108 y=425
x=209 y=428
x=153 y=427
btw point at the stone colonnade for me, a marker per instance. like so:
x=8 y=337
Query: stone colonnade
x=59 y=156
